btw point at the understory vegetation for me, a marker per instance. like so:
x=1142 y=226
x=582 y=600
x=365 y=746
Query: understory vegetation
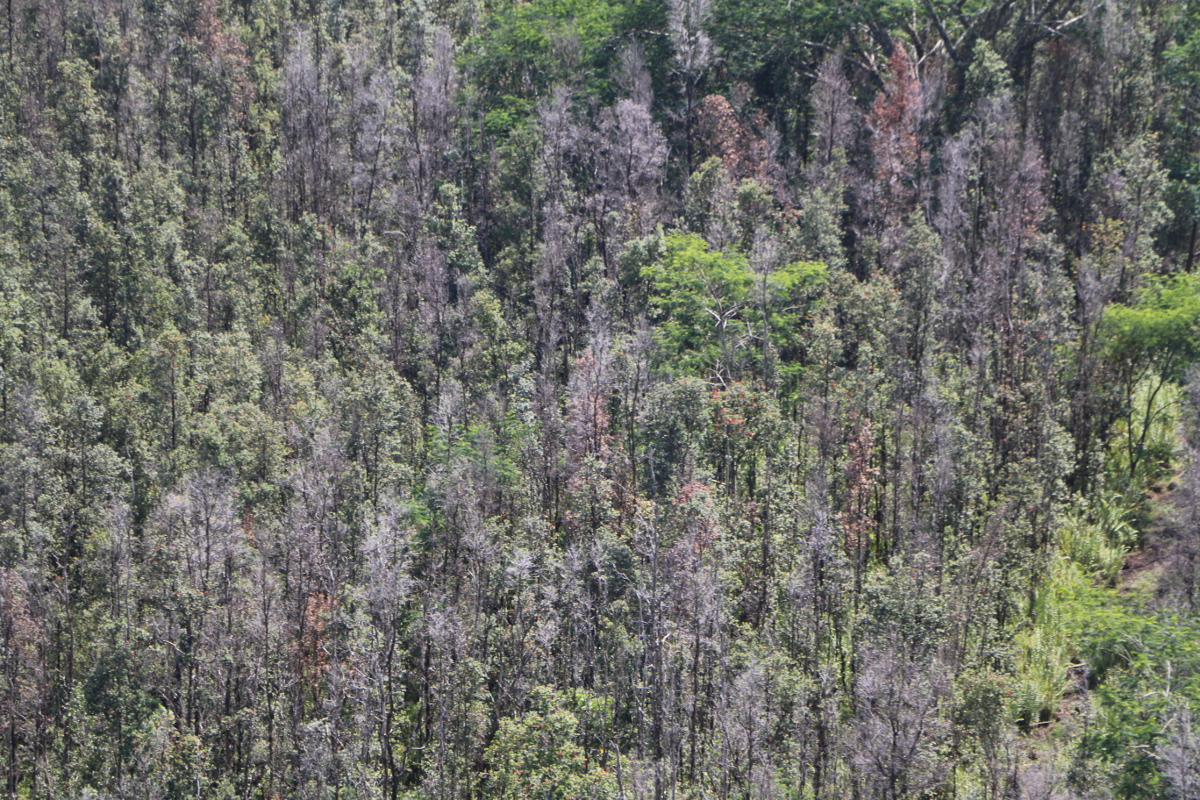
x=562 y=399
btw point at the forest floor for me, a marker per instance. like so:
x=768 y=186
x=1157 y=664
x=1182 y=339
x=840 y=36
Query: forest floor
x=1149 y=570
x=1143 y=570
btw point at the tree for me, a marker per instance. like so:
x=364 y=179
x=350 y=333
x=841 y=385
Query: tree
x=1151 y=341
x=693 y=52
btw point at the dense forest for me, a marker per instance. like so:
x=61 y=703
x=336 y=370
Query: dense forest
x=562 y=399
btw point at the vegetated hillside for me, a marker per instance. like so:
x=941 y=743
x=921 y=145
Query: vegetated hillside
x=599 y=399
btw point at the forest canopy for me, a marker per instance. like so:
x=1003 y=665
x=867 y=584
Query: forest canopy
x=574 y=399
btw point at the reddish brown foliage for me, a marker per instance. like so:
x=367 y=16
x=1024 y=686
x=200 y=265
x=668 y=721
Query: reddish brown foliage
x=310 y=644
x=860 y=483
x=893 y=122
x=587 y=412
x=742 y=151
